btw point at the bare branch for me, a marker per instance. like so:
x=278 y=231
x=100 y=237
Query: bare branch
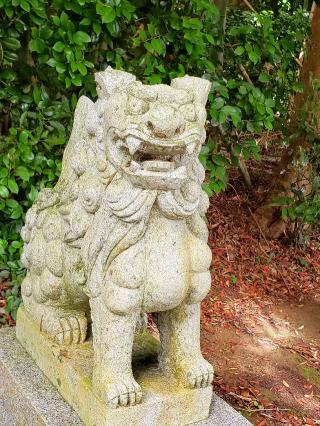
x=245 y=74
x=249 y=5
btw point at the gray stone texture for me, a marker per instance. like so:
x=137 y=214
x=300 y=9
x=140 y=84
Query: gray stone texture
x=27 y=398
x=123 y=233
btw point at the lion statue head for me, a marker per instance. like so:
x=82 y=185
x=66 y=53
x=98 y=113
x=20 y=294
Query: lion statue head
x=152 y=133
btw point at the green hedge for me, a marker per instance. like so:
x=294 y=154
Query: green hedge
x=49 y=51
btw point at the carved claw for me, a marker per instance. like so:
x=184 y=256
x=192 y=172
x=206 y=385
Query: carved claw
x=123 y=393
x=65 y=329
x=197 y=373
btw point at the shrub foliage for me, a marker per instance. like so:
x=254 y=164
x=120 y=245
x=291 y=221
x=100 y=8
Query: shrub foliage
x=49 y=51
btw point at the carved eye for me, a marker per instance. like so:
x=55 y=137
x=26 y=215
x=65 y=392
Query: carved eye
x=137 y=106
x=188 y=111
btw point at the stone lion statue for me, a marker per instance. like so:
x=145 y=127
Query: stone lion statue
x=123 y=232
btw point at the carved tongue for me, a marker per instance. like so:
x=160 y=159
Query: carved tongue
x=133 y=144
x=158 y=166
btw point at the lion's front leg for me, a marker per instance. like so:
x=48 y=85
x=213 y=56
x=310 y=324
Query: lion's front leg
x=113 y=334
x=180 y=346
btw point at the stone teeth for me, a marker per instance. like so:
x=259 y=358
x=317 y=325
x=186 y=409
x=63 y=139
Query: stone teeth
x=133 y=144
x=191 y=147
x=134 y=166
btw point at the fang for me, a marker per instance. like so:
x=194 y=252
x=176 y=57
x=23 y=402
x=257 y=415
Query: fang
x=190 y=148
x=133 y=144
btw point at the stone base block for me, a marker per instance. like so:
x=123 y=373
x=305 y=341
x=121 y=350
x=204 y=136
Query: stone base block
x=70 y=370
x=27 y=398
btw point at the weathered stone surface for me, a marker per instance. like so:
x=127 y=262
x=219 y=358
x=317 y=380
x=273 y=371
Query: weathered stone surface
x=27 y=398
x=123 y=233
x=70 y=369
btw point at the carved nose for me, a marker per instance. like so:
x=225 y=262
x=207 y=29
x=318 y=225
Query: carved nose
x=165 y=122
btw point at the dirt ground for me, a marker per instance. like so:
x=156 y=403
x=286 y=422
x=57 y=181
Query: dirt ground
x=261 y=320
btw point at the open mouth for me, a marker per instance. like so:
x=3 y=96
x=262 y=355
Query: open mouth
x=155 y=153
x=154 y=162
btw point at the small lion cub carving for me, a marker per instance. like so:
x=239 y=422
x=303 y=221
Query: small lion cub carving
x=123 y=233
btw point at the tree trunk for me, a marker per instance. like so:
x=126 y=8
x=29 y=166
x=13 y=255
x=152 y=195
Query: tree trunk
x=290 y=172
x=222 y=6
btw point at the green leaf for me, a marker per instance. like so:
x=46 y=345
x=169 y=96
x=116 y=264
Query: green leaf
x=60 y=68
x=155 y=79
x=22 y=172
x=80 y=37
x=32 y=194
x=217 y=103
x=25 y=5
x=270 y=103
x=248 y=47
x=58 y=46
x=77 y=81
x=207 y=189
x=232 y=84
x=45 y=33
x=36 y=95
x=107 y=13
x=157 y=46
x=11 y=43
x=16 y=212
x=37 y=46
x=219 y=159
x=222 y=117
x=85 y=22
x=97 y=28
x=236 y=149
x=192 y=23
x=12 y=185
x=82 y=68
x=4 y=193
x=51 y=62
x=253 y=56
x=210 y=39
x=268 y=125
x=3 y=172
x=228 y=109
x=263 y=77
x=56 y=20
x=23 y=137
x=239 y=50
x=298 y=87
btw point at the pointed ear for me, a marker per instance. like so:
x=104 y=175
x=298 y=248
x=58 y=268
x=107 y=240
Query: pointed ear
x=110 y=80
x=198 y=86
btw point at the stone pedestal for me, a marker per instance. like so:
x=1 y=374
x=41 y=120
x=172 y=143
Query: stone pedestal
x=27 y=398
x=70 y=370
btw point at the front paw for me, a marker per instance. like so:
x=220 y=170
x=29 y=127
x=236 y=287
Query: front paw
x=195 y=373
x=123 y=393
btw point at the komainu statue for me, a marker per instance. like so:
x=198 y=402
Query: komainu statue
x=123 y=232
